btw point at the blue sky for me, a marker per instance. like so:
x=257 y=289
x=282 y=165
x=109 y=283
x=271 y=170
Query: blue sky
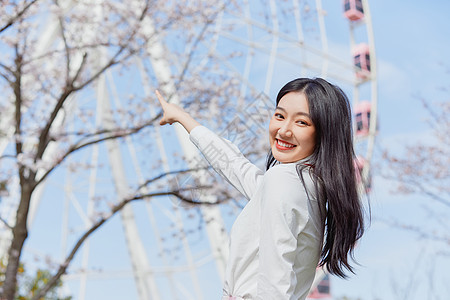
x=411 y=44
x=411 y=39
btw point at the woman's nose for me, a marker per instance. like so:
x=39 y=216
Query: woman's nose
x=285 y=130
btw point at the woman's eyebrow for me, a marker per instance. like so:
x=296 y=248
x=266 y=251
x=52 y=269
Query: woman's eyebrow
x=297 y=113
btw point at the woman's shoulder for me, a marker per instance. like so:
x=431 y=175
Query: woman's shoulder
x=288 y=169
x=290 y=174
x=289 y=183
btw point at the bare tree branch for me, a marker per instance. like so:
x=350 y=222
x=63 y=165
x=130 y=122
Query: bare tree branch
x=80 y=145
x=66 y=45
x=5 y=223
x=5 y=76
x=17 y=87
x=419 y=231
x=194 y=47
x=13 y=19
x=8 y=69
x=8 y=156
x=147 y=182
x=44 y=136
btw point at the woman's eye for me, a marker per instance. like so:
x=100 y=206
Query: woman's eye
x=302 y=123
x=278 y=116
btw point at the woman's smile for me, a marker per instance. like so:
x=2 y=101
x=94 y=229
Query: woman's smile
x=283 y=145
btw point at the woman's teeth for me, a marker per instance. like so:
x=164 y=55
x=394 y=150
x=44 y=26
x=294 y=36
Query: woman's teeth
x=285 y=145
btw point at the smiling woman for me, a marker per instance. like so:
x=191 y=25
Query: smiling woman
x=291 y=131
x=307 y=195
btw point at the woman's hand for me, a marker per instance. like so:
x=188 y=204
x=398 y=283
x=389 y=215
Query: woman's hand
x=173 y=113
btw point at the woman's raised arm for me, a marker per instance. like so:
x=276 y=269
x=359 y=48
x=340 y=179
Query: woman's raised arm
x=222 y=155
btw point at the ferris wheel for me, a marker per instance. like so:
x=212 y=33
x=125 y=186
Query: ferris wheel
x=163 y=249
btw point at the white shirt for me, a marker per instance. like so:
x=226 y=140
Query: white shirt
x=276 y=240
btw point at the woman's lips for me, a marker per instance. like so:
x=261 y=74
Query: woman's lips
x=283 y=145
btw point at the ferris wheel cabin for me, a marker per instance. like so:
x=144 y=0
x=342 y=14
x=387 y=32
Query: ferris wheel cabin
x=361 y=59
x=322 y=291
x=362 y=118
x=353 y=10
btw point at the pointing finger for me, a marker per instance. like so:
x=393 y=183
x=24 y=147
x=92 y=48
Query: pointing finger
x=162 y=101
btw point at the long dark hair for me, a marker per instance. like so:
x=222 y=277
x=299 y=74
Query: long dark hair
x=332 y=169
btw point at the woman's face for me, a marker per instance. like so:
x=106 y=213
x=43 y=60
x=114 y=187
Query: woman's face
x=292 y=135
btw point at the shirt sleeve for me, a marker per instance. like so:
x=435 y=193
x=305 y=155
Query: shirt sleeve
x=284 y=214
x=227 y=160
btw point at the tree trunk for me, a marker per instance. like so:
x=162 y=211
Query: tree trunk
x=20 y=234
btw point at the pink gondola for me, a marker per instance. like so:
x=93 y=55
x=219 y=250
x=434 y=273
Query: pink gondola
x=322 y=291
x=361 y=58
x=353 y=10
x=362 y=118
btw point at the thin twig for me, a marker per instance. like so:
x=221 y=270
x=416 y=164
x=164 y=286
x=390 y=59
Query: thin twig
x=20 y=14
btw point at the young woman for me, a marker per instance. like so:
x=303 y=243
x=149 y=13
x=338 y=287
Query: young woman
x=304 y=211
